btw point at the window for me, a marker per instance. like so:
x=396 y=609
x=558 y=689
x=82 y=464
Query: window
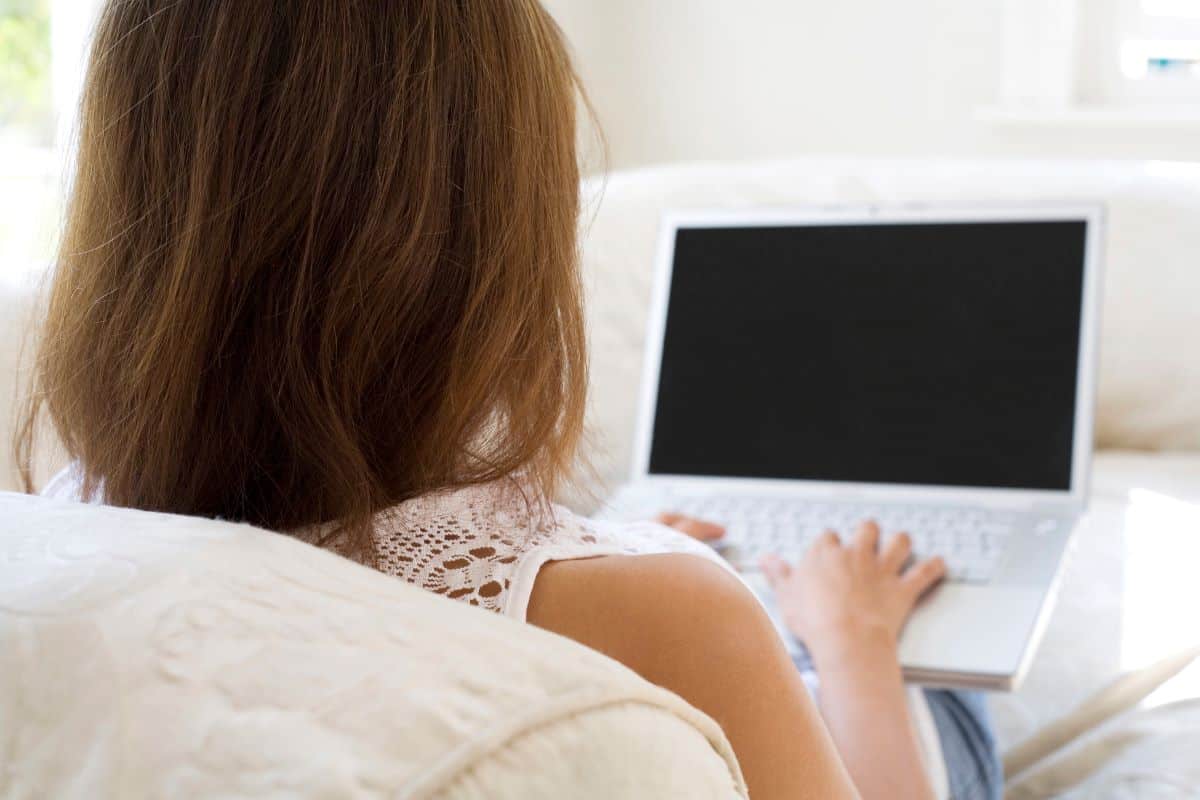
x=26 y=113
x=27 y=129
x=1141 y=53
x=1105 y=62
x=43 y=44
x=1160 y=50
x=1178 y=9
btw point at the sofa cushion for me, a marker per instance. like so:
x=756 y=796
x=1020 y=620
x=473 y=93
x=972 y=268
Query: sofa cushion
x=145 y=655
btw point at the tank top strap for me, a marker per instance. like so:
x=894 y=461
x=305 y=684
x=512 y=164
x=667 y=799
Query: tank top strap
x=484 y=545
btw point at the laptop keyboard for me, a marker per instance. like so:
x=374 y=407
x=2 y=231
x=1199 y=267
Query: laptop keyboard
x=972 y=541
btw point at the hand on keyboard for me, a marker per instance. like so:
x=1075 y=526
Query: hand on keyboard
x=972 y=541
x=839 y=596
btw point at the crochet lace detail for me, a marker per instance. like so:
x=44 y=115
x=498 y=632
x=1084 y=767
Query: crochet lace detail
x=471 y=544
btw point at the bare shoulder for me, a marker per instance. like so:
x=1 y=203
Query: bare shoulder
x=686 y=624
x=650 y=612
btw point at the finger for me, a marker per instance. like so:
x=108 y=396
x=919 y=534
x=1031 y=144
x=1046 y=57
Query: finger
x=896 y=552
x=827 y=539
x=703 y=530
x=924 y=576
x=775 y=568
x=866 y=539
x=695 y=528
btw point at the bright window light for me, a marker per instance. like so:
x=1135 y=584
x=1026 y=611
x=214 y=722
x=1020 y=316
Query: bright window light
x=1171 y=8
x=43 y=47
x=1160 y=591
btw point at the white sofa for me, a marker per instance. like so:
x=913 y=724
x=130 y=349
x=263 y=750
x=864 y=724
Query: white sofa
x=1129 y=575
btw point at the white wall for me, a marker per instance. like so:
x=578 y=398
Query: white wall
x=681 y=80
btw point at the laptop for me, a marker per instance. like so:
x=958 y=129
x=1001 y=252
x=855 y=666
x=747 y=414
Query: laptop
x=929 y=368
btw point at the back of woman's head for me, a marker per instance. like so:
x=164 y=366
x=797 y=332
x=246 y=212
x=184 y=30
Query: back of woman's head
x=319 y=258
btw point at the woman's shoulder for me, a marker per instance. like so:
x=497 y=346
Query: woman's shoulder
x=662 y=589
x=677 y=619
x=684 y=623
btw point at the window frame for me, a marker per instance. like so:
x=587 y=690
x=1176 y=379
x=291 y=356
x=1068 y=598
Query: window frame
x=1152 y=44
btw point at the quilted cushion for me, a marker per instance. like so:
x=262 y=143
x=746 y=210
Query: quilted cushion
x=144 y=655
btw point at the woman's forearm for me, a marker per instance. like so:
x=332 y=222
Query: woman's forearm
x=865 y=706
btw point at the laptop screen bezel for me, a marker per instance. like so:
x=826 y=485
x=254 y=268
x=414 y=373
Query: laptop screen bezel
x=1075 y=497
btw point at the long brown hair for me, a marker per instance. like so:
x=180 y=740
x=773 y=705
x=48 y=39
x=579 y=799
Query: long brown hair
x=319 y=258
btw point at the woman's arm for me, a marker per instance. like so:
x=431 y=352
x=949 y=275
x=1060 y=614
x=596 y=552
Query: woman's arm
x=848 y=605
x=865 y=706
x=687 y=625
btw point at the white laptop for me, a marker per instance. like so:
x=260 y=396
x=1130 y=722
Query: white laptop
x=932 y=369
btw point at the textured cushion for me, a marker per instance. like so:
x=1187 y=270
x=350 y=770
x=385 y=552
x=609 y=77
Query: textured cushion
x=1149 y=382
x=144 y=655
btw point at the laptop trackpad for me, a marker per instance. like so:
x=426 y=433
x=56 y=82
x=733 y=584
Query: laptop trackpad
x=976 y=630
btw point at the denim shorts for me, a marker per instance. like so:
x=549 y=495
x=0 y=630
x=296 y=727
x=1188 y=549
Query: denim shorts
x=968 y=744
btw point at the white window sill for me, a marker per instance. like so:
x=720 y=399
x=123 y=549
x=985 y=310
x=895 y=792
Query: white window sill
x=1081 y=116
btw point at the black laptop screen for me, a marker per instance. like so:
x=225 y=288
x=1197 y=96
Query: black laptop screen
x=936 y=354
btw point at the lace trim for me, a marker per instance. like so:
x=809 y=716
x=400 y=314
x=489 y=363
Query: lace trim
x=484 y=545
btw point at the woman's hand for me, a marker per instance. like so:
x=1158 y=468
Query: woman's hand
x=695 y=528
x=840 y=598
x=848 y=605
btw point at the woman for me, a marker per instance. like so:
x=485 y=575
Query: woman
x=319 y=274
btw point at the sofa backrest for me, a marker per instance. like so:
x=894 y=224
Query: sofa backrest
x=144 y=655
x=1149 y=385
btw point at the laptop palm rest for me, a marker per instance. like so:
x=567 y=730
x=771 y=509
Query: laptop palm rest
x=970 y=636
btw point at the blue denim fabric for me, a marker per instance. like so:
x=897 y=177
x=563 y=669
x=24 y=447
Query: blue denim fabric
x=968 y=744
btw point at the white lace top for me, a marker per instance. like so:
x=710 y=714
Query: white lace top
x=484 y=545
